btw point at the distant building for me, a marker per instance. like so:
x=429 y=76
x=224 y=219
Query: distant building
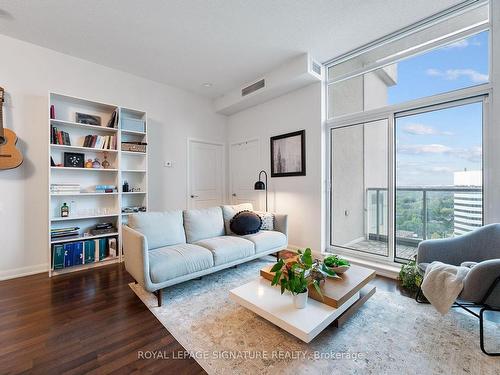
x=468 y=206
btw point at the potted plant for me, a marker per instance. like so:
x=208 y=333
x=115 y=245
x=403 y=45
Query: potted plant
x=296 y=276
x=333 y=265
x=409 y=277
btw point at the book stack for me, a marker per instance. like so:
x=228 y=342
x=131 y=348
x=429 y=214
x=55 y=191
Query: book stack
x=64 y=233
x=65 y=189
x=105 y=188
x=59 y=137
x=83 y=252
x=103 y=228
x=101 y=142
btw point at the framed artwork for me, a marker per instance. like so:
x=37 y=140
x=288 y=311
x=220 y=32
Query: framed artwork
x=74 y=160
x=288 y=154
x=84 y=118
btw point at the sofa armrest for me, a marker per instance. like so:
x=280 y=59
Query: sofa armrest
x=281 y=223
x=449 y=250
x=478 y=281
x=135 y=250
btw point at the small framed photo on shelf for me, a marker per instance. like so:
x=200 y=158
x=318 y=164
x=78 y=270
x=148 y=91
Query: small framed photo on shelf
x=84 y=118
x=74 y=160
x=288 y=154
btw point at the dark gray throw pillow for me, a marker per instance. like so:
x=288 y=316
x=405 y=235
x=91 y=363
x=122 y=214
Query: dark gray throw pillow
x=245 y=222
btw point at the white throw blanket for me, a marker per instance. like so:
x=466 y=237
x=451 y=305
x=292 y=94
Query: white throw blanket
x=442 y=284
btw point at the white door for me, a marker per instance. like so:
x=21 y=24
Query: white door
x=245 y=167
x=206 y=174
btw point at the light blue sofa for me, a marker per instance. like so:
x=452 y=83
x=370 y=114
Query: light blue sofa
x=166 y=248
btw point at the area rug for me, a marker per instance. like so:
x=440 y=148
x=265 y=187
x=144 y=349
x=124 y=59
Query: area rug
x=391 y=334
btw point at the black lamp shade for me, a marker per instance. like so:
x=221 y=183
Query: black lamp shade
x=259 y=185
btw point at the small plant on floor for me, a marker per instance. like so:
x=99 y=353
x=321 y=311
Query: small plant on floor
x=409 y=276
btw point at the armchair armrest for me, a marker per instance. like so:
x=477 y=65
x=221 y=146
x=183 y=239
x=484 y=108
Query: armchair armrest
x=281 y=223
x=449 y=250
x=478 y=282
x=135 y=250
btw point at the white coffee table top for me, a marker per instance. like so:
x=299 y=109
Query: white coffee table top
x=265 y=300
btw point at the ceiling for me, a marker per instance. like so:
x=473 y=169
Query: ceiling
x=186 y=43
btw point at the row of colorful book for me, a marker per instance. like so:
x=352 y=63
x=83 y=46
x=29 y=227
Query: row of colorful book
x=83 y=252
x=102 y=142
x=59 y=137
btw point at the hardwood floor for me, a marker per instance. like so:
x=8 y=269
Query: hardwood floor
x=87 y=322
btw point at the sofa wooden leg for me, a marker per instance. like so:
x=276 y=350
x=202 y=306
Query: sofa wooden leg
x=198 y=278
x=159 y=297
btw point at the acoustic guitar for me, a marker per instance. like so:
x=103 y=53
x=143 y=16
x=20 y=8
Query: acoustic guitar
x=10 y=157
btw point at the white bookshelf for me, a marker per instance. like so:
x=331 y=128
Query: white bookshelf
x=89 y=207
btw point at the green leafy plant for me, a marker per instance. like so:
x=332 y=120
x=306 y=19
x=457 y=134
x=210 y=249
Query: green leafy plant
x=296 y=276
x=409 y=276
x=335 y=261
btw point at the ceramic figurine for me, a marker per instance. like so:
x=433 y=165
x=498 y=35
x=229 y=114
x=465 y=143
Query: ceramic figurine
x=105 y=163
x=96 y=164
x=88 y=164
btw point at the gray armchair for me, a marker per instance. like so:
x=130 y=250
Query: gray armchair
x=482 y=283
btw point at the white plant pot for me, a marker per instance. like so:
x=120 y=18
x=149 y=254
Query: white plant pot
x=300 y=300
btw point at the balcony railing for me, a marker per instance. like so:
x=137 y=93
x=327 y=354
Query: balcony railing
x=424 y=212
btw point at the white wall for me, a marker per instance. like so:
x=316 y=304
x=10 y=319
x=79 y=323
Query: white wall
x=28 y=72
x=299 y=197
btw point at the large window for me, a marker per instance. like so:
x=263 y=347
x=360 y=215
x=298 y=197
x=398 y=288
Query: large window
x=406 y=137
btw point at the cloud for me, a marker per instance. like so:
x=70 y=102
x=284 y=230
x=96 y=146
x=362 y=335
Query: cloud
x=454 y=74
x=424 y=149
x=421 y=129
x=458 y=44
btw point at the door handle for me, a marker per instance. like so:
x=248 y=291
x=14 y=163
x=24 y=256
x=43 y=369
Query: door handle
x=194 y=196
x=234 y=194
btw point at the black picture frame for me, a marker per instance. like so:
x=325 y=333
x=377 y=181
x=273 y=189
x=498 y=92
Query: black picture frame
x=74 y=160
x=278 y=142
x=86 y=119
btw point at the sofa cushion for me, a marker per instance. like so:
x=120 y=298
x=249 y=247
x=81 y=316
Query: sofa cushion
x=226 y=249
x=203 y=223
x=267 y=240
x=160 y=228
x=267 y=220
x=245 y=222
x=169 y=262
x=228 y=211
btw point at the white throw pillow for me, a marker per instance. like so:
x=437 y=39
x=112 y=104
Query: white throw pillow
x=267 y=220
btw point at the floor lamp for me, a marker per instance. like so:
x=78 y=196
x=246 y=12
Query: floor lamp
x=259 y=185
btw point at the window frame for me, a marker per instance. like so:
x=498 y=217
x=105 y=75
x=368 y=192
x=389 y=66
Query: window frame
x=455 y=98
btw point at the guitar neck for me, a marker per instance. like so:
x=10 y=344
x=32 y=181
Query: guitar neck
x=1 y=112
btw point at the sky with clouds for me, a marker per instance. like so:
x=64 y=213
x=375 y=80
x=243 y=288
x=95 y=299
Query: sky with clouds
x=433 y=145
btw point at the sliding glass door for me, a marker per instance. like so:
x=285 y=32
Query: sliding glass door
x=359 y=169
x=439 y=174
x=414 y=175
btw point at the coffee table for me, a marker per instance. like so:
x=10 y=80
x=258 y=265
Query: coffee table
x=347 y=294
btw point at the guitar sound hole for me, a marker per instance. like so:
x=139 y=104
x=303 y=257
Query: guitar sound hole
x=3 y=140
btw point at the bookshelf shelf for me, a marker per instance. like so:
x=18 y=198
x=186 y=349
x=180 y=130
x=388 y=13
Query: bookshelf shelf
x=84 y=169
x=80 y=267
x=90 y=194
x=132 y=132
x=84 y=238
x=69 y=218
x=82 y=126
x=79 y=148
x=134 y=153
x=133 y=168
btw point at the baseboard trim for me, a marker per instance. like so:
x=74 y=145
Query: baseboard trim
x=24 y=271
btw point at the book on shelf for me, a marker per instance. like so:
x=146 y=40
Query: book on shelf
x=59 y=137
x=113 y=121
x=65 y=188
x=64 y=233
x=83 y=252
x=100 y=142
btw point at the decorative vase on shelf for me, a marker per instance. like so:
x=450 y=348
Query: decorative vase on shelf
x=96 y=164
x=300 y=300
x=105 y=163
x=88 y=163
